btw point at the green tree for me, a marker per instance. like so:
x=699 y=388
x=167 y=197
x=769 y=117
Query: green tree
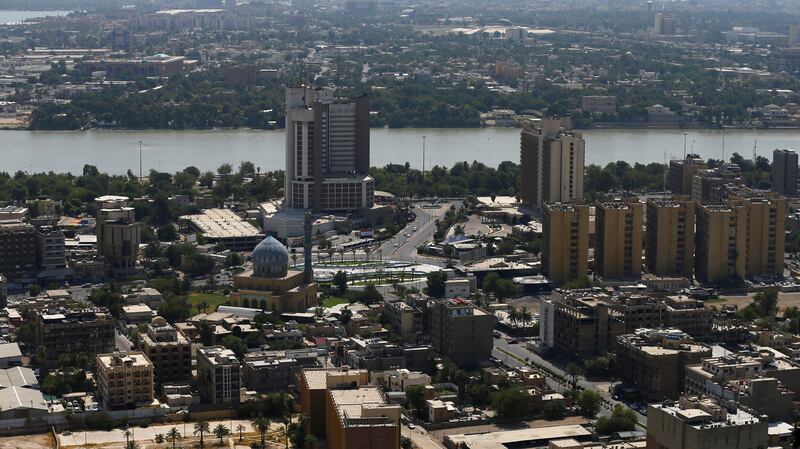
x=173 y=436
x=512 y=403
x=340 y=281
x=589 y=402
x=221 y=431
x=622 y=419
x=415 y=394
x=201 y=428
x=554 y=410
x=235 y=344
x=261 y=425
x=436 y=284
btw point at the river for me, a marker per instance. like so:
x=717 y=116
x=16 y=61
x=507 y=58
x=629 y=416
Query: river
x=9 y=17
x=117 y=151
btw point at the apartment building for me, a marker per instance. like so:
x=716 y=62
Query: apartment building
x=361 y=419
x=579 y=324
x=565 y=243
x=462 y=332
x=784 y=172
x=313 y=385
x=694 y=423
x=276 y=370
x=406 y=320
x=618 y=244
x=654 y=361
x=124 y=380
x=62 y=331
x=669 y=242
x=218 y=376
x=681 y=172
x=744 y=237
x=169 y=351
x=18 y=250
x=552 y=160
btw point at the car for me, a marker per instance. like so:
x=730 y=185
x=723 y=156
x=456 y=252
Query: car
x=408 y=235
x=412 y=426
x=396 y=244
x=513 y=341
x=496 y=334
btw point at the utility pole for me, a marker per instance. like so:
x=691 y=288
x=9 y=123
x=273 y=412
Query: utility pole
x=684 y=146
x=423 y=154
x=140 y=162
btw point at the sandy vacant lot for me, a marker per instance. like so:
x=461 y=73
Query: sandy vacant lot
x=41 y=441
x=784 y=300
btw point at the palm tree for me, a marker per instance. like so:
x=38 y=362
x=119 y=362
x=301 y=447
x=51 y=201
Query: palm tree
x=221 y=431
x=201 y=428
x=331 y=252
x=260 y=425
x=367 y=251
x=341 y=252
x=159 y=438
x=294 y=260
x=173 y=436
x=354 y=253
x=127 y=435
x=513 y=316
x=240 y=428
x=525 y=316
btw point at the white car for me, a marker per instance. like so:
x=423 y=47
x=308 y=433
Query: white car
x=396 y=244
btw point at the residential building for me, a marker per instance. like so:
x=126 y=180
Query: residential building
x=169 y=351
x=276 y=370
x=461 y=332
x=327 y=151
x=405 y=319
x=763 y=380
x=63 y=331
x=118 y=233
x=159 y=65
x=720 y=245
x=669 y=243
x=785 y=60
x=241 y=75
x=794 y=36
x=651 y=311
x=565 y=243
x=552 y=161
x=313 y=385
x=137 y=314
x=618 y=244
x=400 y=379
x=122 y=40
x=3 y=291
x=508 y=70
x=784 y=172
x=599 y=104
x=19 y=250
x=681 y=172
x=694 y=423
x=715 y=185
x=218 y=376
x=361 y=419
x=271 y=285
x=52 y=251
x=457 y=288
x=654 y=361
x=14 y=213
x=579 y=324
x=124 y=380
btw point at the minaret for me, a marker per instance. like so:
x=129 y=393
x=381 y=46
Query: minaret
x=307 y=248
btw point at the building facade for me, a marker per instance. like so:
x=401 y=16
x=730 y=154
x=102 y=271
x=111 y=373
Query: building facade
x=565 y=243
x=681 y=172
x=219 y=376
x=124 y=380
x=63 y=331
x=552 y=162
x=19 y=249
x=669 y=243
x=169 y=351
x=618 y=244
x=327 y=151
x=461 y=332
x=118 y=234
x=361 y=419
x=579 y=325
x=784 y=172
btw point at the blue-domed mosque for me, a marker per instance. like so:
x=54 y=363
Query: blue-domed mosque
x=270 y=285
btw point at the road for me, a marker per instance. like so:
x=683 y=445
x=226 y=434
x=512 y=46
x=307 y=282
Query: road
x=407 y=246
x=420 y=438
x=502 y=349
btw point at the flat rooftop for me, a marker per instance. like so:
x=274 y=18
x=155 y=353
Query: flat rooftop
x=222 y=223
x=534 y=437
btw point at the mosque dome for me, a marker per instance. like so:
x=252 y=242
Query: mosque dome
x=270 y=259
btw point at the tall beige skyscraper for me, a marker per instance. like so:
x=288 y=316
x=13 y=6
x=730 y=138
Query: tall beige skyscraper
x=618 y=244
x=565 y=250
x=552 y=159
x=669 y=241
